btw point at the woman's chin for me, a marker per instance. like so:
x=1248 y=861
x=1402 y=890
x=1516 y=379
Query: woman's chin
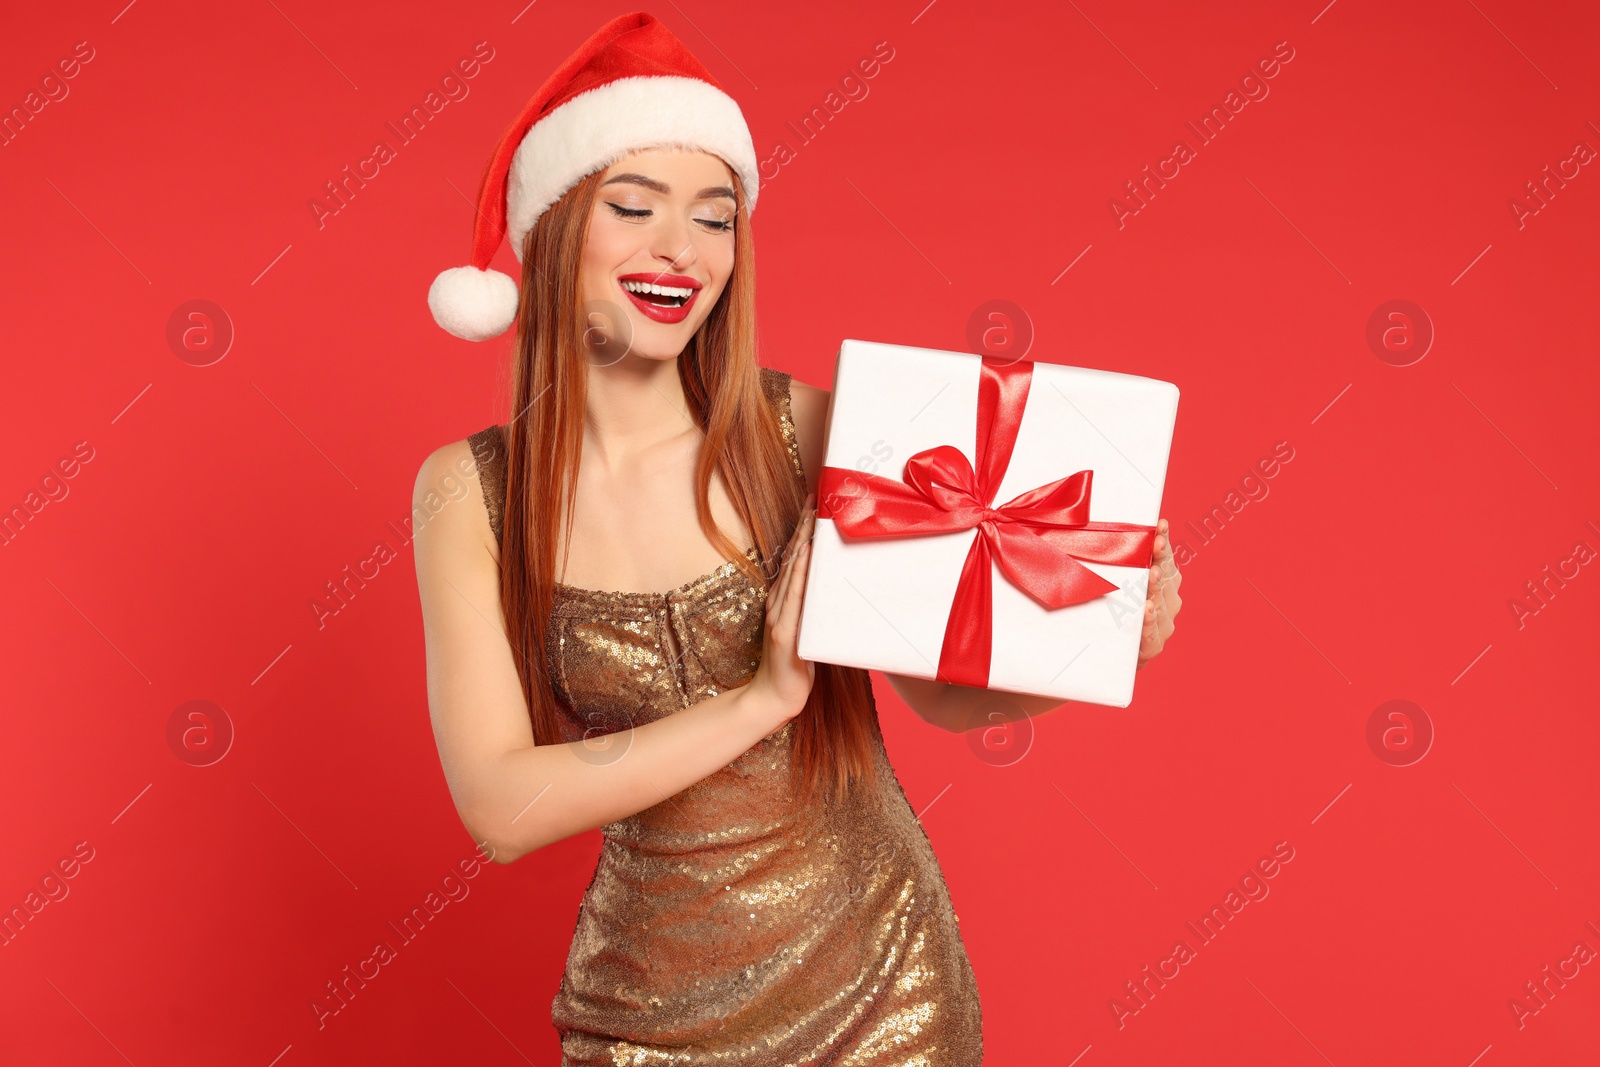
x=657 y=341
x=642 y=349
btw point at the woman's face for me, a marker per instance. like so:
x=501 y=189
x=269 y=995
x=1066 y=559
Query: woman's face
x=662 y=218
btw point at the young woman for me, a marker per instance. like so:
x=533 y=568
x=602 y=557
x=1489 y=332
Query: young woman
x=610 y=624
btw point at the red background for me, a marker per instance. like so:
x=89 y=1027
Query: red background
x=1381 y=566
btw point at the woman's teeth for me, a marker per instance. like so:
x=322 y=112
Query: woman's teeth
x=665 y=295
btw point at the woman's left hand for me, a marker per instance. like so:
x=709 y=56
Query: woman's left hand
x=1162 y=604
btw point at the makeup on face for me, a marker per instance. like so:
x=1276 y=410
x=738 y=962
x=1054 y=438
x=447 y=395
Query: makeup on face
x=662 y=296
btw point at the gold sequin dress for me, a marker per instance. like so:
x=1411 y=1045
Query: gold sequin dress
x=723 y=926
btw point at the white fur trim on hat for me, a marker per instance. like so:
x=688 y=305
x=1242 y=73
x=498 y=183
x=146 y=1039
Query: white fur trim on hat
x=595 y=129
x=473 y=304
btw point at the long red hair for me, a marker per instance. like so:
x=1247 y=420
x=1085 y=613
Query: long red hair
x=836 y=733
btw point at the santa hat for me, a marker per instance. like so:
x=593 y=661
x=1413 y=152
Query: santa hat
x=632 y=85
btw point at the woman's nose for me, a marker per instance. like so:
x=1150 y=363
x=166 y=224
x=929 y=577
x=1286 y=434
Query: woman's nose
x=674 y=245
x=676 y=260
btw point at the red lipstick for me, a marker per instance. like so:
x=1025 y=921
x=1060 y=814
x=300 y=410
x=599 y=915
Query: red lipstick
x=658 y=295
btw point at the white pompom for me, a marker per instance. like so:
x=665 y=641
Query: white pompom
x=473 y=304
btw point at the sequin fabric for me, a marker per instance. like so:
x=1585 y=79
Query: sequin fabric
x=723 y=925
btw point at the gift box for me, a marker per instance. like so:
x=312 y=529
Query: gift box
x=987 y=521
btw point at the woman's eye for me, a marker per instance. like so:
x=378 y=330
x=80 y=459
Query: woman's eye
x=715 y=225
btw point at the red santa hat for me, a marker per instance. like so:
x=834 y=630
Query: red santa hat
x=632 y=85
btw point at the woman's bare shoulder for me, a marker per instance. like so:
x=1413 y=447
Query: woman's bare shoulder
x=808 y=406
x=448 y=498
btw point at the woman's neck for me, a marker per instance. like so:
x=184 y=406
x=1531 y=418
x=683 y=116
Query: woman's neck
x=633 y=406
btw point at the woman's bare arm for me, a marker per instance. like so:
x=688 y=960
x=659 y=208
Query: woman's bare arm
x=510 y=793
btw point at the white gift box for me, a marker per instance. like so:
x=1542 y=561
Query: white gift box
x=884 y=603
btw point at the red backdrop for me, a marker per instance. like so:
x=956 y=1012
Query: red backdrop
x=1430 y=540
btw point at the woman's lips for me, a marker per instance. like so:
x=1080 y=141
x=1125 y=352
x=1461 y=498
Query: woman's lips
x=659 y=312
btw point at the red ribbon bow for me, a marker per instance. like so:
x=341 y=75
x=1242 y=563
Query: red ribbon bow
x=1038 y=537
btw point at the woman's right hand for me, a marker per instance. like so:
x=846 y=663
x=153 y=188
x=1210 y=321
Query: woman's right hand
x=782 y=682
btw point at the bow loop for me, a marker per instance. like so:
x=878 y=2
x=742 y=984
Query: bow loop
x=1063 y=502
x=943 y=476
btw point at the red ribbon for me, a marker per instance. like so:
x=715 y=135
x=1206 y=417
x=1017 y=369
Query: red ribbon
x=1038 y=537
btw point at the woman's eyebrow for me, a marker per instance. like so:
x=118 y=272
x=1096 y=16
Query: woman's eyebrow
x=710 y=192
